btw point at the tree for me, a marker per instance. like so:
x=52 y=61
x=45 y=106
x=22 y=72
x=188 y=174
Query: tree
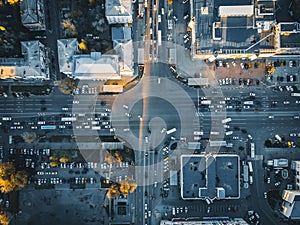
x=54 y=164
x=29 y=137
x=5 y=217
x=63 y=159
x=113 y=191
x=13 y=2
x=82 y=45
x=10 y=179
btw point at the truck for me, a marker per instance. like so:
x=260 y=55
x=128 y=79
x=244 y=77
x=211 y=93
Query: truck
x=277 y=137
x=252 y=150
x=294 y=94
x=158 y=37
x=170 y=24
x=248 y=102
x=171 y=131
x=226 y=120
x=278 y=163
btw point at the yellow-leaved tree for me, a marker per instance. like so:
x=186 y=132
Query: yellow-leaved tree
x=5 y=217
x=13 y=2
x=10 y=179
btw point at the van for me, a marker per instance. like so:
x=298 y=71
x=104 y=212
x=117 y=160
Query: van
x=173 y=211
x=207 y=201
x=10 y=139
x=251 y=179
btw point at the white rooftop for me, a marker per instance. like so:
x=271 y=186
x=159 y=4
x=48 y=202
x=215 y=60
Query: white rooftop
x=67 y=48
x=236 y=10
x=96 y=66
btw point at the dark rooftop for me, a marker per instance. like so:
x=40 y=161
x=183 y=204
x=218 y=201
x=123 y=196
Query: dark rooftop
x=209 y=173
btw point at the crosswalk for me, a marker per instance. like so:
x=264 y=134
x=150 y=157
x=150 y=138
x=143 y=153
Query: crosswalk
x=213 y=208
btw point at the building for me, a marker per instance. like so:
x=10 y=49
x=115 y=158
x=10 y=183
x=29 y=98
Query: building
x=123 y=47
x=233 y=30
x=96 y=66
x=210 y=177
x=34 y=64
x=67 y=48
x=287 y=38
x=118 y=11
x=205 y=221
x=122 y=33
x=291 y=204
x=296 y=167
x=33 y=14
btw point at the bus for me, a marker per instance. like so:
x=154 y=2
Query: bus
x=48 y=127
x=252 y=150
x=171 y=131
x=295 y=94
x=250 y=167
x=68 y=119
x=246 y=174
x=159 y=38
x=226 y=120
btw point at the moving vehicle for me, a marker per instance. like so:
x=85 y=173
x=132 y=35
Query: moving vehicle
x=295 y=94
x=252 y=150
x=48 y=127
x=226 y=120
x=171 y=131
x=250 y=166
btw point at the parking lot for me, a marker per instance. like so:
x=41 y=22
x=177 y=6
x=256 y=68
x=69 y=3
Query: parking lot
x=239 y=72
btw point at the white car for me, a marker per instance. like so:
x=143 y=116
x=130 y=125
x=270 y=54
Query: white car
x=146 y=139
x=159 y=18
x=75 y=102
x=163 y=130
x=252 y=94
x=286 y=102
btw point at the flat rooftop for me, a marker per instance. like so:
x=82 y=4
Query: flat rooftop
x=204 y=176
x=236 y=30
